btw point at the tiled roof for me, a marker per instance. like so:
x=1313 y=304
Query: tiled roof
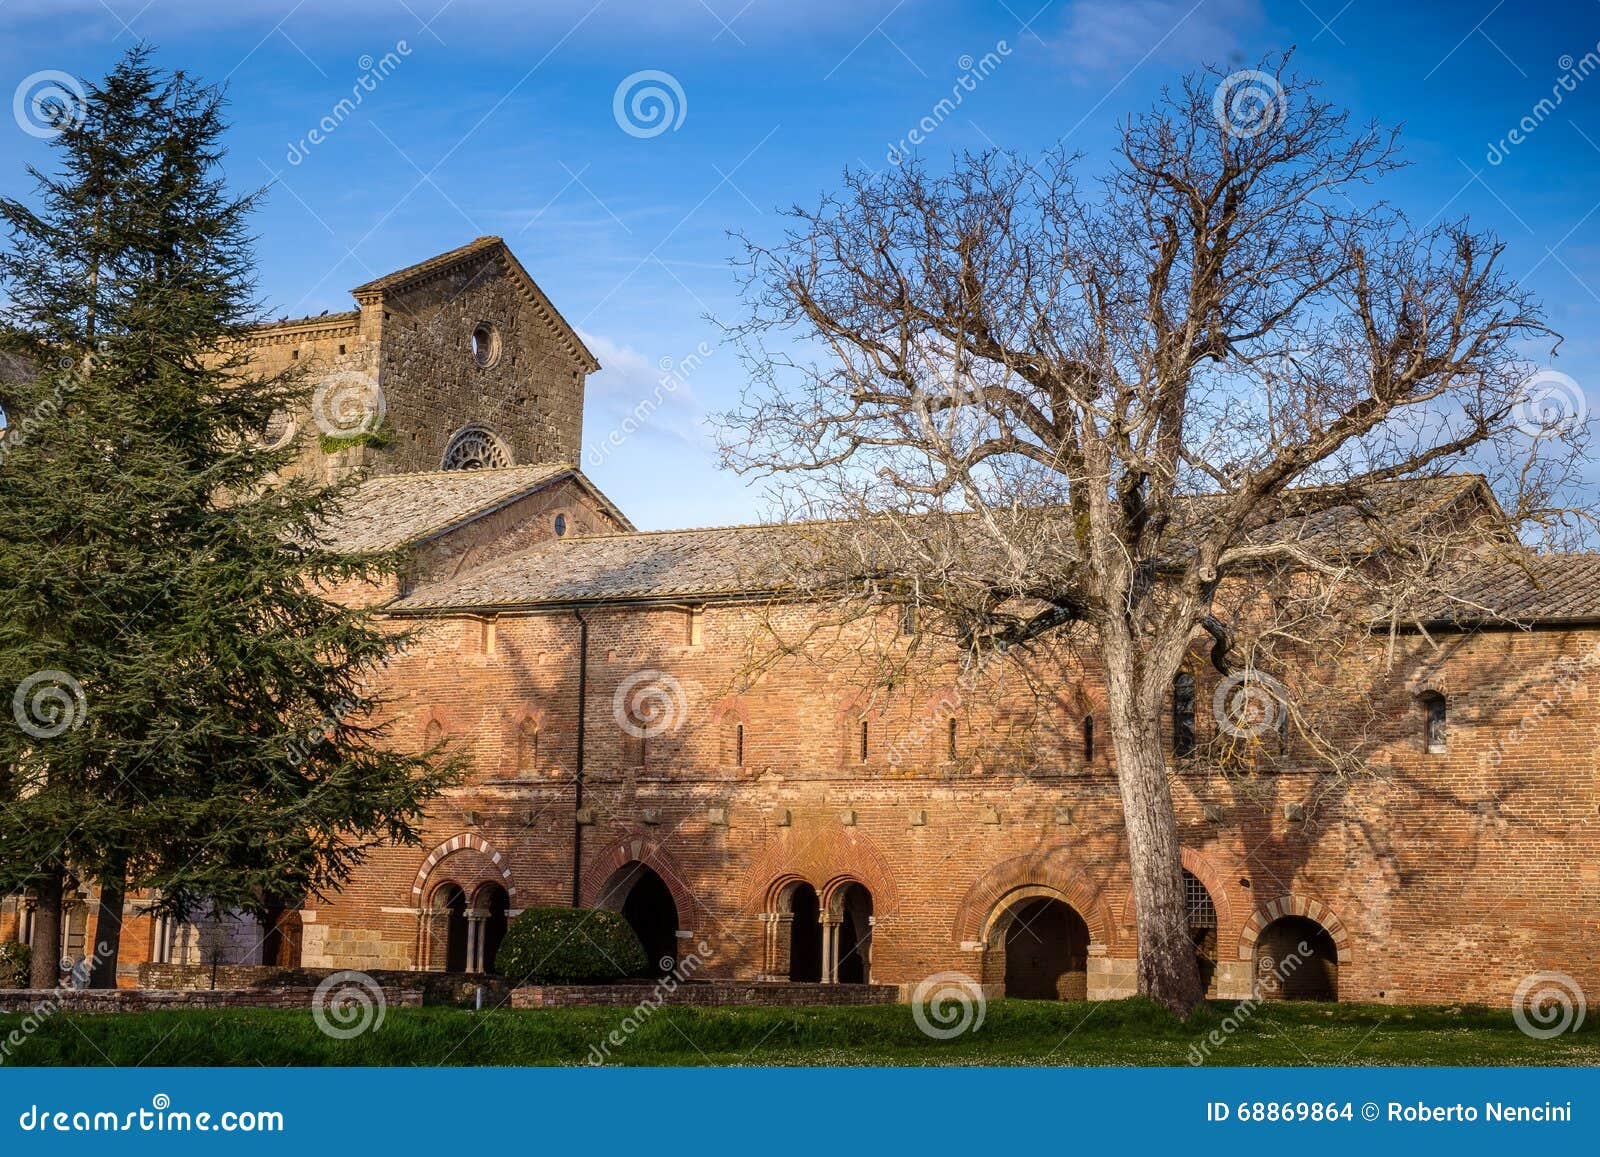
x=421 y=269
x=330 y=319
x=752 y=560
x=655 y=565
x=393 y=510
x=1550 y=588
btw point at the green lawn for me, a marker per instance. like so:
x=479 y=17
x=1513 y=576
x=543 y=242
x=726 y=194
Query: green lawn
x=1014 y=1032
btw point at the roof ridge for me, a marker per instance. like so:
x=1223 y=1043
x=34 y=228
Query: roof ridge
x=469 y=473
x=434 y=264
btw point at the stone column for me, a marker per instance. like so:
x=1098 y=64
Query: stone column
x=830 y=948
x=475 y=919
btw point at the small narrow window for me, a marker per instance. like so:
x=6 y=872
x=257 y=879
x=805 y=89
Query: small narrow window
x=863 y=741
x=952 y=738
x=1434 y=733
x=561 y=525
x=633 y=750
x=738 y=745
x=527 y=746
x=1183 y=714
x=1088 y=739
x=294 y=355
x=908 y=619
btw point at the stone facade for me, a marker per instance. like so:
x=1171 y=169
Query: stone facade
x=804 y=833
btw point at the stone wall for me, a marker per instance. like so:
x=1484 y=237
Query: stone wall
x=154 y=1000
x=721 y=994
x=436 y=987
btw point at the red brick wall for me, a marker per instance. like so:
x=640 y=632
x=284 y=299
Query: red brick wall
x=1441 y=877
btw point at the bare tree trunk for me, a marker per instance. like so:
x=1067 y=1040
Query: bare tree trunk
x=108 y=928
x=46 y=961
x=1168 y=971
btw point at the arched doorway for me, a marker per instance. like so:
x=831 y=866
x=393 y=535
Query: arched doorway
x=1296 y=959
x=1047 y=951
x=852 y=937
x=805 y=934
x=647 y=905
x=491 y=905
x=448 y=929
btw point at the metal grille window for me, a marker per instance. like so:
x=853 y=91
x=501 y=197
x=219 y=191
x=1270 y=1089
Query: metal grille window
x=1198 y=908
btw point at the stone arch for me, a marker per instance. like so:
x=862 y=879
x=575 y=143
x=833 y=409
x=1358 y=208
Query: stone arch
x=1054 y=873
x=833 y=854
x=1216 y=879
x=497 y=867
x=1293 y=904
x=637 y=847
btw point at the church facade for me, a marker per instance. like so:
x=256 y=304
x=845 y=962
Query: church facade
x=789 y=826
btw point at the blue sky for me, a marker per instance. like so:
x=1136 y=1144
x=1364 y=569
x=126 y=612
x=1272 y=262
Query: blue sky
x=491 y=119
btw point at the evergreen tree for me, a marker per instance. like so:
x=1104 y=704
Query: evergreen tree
x=166 y=638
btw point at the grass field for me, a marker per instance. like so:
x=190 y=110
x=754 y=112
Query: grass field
x=1013 y=1032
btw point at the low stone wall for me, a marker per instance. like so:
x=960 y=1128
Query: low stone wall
x=150 y=1000
x=436 y=987
x=719 y=993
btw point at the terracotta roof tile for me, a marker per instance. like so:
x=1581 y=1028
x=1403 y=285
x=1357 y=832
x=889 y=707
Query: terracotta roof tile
x=394 y=510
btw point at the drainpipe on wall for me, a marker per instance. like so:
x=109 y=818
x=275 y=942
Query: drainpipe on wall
x=577 y=779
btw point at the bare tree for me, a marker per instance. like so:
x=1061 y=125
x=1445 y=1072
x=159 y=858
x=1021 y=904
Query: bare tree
x=1219 y=399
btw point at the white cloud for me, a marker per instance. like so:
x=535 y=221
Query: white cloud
x=1109 y=37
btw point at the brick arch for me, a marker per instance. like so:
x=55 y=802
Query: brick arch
x=1216 y=879
x=1294 y=904
x=831 y=895
x=821 y=859
x=636 y=847
x=1052 y=872
x=467 y=841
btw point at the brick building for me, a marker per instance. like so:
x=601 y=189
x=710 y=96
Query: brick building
x=624 y=756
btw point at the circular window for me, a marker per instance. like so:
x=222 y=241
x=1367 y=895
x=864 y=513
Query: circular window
x=475 y=449
x=278 y=431
x=561 y=525
x=485 y=344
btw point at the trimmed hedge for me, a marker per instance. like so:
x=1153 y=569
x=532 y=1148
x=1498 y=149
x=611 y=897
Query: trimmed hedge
x=15 y=962
x=570 y=946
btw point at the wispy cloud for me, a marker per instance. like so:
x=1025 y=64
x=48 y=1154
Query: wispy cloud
x=1104 y=38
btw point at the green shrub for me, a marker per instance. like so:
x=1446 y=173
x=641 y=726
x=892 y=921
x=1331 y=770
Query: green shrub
x=16 y=962
x=570 y=946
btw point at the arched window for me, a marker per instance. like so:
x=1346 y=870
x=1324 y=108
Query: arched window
x=475 y=448
x=1201 y=916
x=1088 y=739
x=527 y=747
x=433 y=734
x=1435 y=735
x=1183 y=714
x=952 y=739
